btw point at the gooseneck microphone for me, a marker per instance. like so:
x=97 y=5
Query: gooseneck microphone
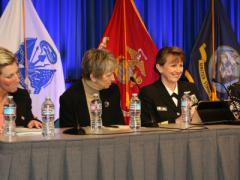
x=77 y=130
x=227 y=91
x=134 y=80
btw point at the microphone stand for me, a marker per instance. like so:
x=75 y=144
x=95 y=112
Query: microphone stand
x=77 y=130
x=153 y=122
x=135 y=82
x=228 y=94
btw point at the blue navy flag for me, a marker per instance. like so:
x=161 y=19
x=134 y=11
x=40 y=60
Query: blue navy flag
x=44 y=75
x=215 y=55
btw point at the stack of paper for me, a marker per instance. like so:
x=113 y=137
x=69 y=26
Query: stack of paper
x=27 y=131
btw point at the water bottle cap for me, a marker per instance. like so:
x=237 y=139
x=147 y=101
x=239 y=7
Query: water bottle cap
x=95 y=95
x=186 y=92
x=134 y=94
x=10 y=96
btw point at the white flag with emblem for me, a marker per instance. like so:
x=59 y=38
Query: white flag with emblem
x=45 y=75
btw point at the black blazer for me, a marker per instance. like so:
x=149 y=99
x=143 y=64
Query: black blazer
x=73 y=106
x=24 y=107
x=157 y=104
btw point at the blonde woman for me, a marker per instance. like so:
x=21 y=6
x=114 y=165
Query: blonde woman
x=9 y=82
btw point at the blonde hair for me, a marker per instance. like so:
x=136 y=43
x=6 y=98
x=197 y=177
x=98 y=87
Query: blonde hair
x=6 y=58
x=97 y=62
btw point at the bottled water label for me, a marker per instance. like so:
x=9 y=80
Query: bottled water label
x=95 y=107
x=8 y=110
x=136 y=107
x=184 y=103
x=48 y=112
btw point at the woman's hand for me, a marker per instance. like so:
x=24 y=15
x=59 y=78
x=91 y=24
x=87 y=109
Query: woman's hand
x=193 y=109
x=34 y=123
x=179 y=120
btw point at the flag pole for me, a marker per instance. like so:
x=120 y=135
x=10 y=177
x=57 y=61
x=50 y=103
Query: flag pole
x=125 y=54
x=25 y=45
x=214 y=94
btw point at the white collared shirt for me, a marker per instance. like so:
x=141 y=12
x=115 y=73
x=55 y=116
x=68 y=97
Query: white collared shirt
x=170 y=92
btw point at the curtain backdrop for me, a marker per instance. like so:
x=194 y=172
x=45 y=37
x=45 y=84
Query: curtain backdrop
x=77 y=25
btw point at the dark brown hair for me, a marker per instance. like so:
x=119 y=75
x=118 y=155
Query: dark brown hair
x=165 y=51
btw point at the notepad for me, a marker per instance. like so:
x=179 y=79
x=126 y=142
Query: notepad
x=21 y=131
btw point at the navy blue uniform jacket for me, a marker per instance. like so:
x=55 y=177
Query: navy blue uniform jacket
x=157 y=104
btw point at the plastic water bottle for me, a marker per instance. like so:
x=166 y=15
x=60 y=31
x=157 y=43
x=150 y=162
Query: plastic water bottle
x=48 y=118
x=9 y=113
x=186 y=109
x=96 y=113
x=135 y=112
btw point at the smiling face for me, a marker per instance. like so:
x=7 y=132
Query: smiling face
x=169 y=63
x=9 y=73
x=9 y=78
x=171 y=70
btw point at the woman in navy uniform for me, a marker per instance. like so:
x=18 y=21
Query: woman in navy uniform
x=161 y=99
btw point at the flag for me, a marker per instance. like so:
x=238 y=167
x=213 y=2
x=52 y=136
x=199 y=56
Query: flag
x=40 y=68
x=127 y=38
x=215 y=55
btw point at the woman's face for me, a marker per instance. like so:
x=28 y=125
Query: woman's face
x=105 y=81
x=9 y=78
x=172 y=70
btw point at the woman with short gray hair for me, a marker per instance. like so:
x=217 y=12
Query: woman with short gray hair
x=98 y=68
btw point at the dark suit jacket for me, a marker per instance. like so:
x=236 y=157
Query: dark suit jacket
x=73 y=106
x=157 y=104
x=24 y=107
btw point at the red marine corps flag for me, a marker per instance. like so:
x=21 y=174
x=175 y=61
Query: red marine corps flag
x=127 y=38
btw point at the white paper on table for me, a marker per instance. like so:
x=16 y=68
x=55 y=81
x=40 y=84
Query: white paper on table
x=20 y=131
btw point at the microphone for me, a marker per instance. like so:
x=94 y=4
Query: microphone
x=77 y=130
x=134 y=80
x=215 y=81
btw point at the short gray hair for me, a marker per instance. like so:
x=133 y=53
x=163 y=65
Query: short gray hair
x=97 y=62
